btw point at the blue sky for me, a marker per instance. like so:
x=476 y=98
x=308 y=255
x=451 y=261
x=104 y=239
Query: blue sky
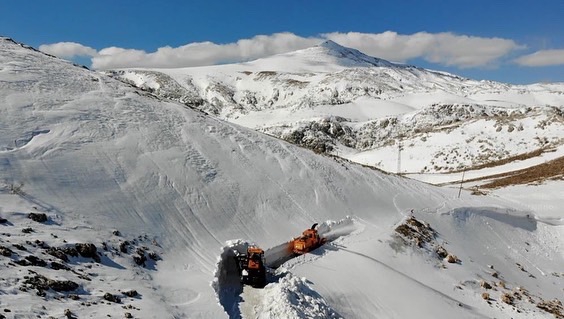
x=510 y=41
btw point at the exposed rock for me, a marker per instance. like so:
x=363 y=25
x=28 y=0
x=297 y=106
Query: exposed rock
x=59 y=253
x=507 y=298
x=27 y=230
x=37 y=217
x=5 y=251
x=3 y=220
x=552 y=306
x=154 y=256
x=64 y=285
x=88 y=251
x=32 y=261
x=20 y=247
x=452 y=259
x=42 y=283
x=140 y=259
x=57 y=266
x=131 y=293
x=73 y=297
x=485 y=285
x=123 y=246
x=116 y=233
x=441 y=252
x=68 y=313
x=485 y=296
x=128 y=315
x=113 y=298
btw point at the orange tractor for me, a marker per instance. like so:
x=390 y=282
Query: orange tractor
x=251 y=266
x=308 y=241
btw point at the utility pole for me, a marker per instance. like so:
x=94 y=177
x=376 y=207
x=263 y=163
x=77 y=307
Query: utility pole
x=399 y=157
x=461 y=181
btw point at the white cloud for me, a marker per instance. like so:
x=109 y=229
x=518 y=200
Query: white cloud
x=68 y=50
x=442 y=48
x=203 y=53
x=542 y=58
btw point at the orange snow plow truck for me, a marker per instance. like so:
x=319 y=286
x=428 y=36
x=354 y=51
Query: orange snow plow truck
x=308 y=241
x=252 y=268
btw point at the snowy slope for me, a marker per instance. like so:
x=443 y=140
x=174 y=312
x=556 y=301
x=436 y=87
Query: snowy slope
x=96 y=155
x=337 y=100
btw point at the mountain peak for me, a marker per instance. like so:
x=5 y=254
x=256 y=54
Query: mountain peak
x=349 y=57
x=329 y=44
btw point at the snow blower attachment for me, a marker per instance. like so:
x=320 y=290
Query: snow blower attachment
x=252 y=268
x=308 y=241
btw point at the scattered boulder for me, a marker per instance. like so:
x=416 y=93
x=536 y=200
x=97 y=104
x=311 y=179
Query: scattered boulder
x=552 y=306
x=128 y=315
x=153 y=255
x=113 y=298
x=42 y=283
x=452 y=259
x=116 y=233
x=441 y=252
x=5 y=251
x=507 y=298
x=37 y=217
x=63 y=285
x=484 y=284
x=140 y=259
x=20 y=247
x=485 y=296
x=131 y=293
x=123 y=246
x=68 y=313
x=88 y=251
x=32 y=261
x=3 y=220
x=27 y=230
x=58 y=266
x=59 y=253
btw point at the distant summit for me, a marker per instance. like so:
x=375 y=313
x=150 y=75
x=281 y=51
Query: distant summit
x=347 y=57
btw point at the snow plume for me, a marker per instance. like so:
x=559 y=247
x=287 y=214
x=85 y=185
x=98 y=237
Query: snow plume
x=443 y=48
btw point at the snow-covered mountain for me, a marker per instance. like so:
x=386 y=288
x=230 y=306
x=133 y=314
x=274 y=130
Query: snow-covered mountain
x=115 y=202
x=340 y=101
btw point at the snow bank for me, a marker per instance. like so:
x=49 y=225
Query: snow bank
x=226 y=281
x=290 y=297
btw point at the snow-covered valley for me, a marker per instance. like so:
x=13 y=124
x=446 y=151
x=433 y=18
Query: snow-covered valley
x=108 y=163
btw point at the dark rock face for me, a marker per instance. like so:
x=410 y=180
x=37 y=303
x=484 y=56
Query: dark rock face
x=65 y=285
x=32 y=261
x=131 y=293
x=140 y=259
x=3 y=220
x=59 y=253
x=37 y=217
x=88 y=251
x=57 y=266
x=5 y=251
x=42 y=283
x=113 y=298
